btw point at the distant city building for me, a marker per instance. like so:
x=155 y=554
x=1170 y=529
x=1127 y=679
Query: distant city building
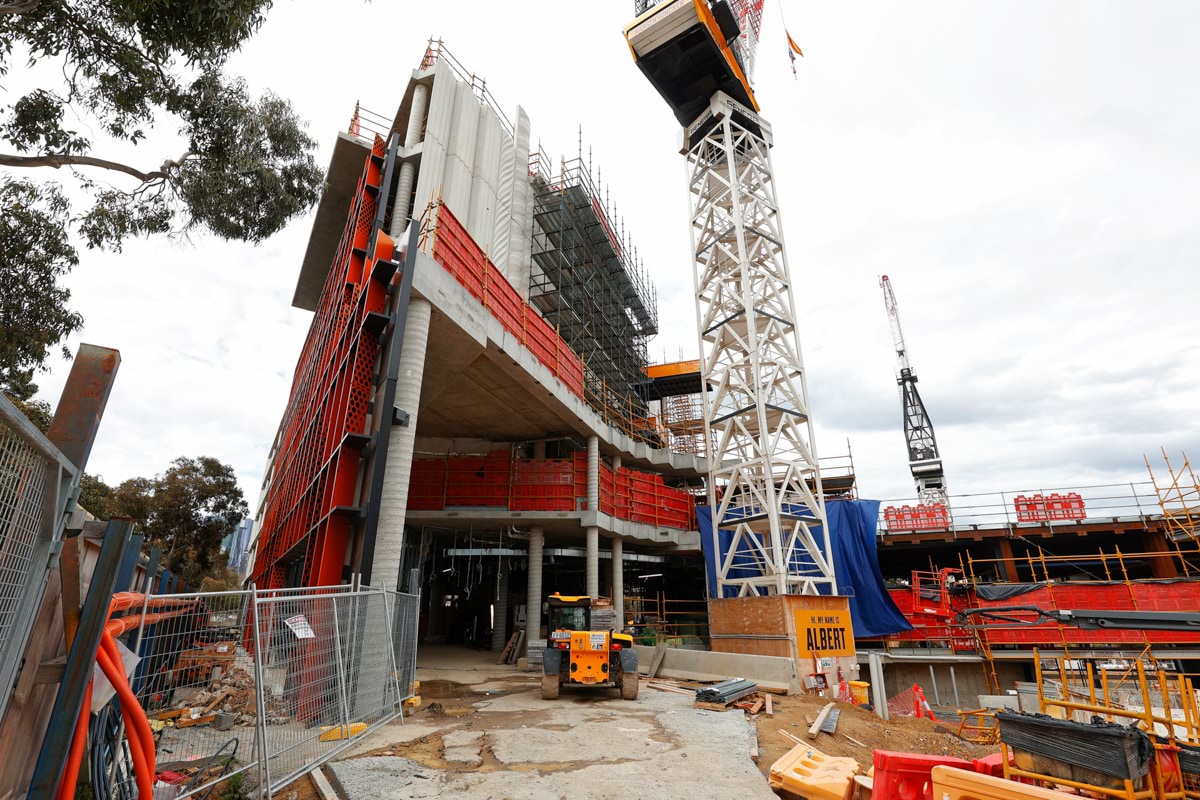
x=237 y=544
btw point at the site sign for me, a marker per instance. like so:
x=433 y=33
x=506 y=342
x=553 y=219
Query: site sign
x=823 y=633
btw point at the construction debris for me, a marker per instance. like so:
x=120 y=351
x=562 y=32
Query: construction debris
x=726 y=692
x=819 y=722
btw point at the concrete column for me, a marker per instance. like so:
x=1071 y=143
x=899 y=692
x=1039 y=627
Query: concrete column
x=500 y=623
x=533 y=592
x=539 y=450
x=393 y=498
x=616 y=462
x=593 y=474
x=593 y=561
x=416 y=114
x=618 y=581
x=408 y=172
x=1005 y=553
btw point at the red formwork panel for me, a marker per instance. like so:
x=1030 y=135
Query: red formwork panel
x=315 y=466
x=1180 y=595
x=916 y=518
x=458 y=253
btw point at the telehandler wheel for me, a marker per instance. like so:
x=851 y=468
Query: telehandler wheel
x=629 y=686
x=549 y=687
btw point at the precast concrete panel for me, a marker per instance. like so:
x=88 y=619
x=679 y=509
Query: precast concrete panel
x=520 y=244
x=502 y=235
x=481 y=223
x=460 y=154
x=437 y=137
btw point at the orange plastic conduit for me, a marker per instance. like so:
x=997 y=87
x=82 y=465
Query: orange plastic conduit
x=137 y=727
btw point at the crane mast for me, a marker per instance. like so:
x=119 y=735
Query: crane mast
x=923 y=458
x=763 y=482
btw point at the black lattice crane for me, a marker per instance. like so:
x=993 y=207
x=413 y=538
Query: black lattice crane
x=923 y=457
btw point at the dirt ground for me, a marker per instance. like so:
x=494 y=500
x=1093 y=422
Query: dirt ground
x=902 y=734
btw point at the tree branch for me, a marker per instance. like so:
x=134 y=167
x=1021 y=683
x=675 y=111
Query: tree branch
x=56 y=160
x=19 y=7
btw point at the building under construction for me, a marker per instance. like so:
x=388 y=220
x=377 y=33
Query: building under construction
x=473 y=416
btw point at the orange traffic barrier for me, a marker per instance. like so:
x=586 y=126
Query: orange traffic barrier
x=811 y=774
x=950 y=783
x=906 y=776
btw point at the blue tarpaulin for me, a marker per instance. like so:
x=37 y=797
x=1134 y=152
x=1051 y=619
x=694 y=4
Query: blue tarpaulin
x=855 y=562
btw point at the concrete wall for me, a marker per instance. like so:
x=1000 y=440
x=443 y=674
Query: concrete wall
x=480 y=171
x=771 y=672
x=899 y=676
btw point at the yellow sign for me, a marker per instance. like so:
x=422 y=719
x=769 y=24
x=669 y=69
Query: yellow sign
x=824 y=633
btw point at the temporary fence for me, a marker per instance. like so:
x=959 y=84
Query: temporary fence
x=35 y=482
x=498 y=480
x=257 y=687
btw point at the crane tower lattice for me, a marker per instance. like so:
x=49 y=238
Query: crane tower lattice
x=764 y=484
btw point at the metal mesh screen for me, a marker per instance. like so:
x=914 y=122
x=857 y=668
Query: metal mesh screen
x=22 y=485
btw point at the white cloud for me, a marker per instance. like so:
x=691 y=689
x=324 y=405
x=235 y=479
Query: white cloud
x=1026 y=173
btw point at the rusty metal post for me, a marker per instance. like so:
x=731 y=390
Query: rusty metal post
x=77 y=417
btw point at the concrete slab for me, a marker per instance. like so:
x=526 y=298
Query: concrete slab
x=463 y=747
x=597 y=747
x=390 y=735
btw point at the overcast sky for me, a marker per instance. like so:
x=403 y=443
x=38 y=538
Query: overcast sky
x=1027 y=173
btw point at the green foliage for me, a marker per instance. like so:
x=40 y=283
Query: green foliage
x=96 y=496
x=234 y=788
x=186 y=512
x=130 y=65
x=123 y=67
x=34 y=256
x=36 y=411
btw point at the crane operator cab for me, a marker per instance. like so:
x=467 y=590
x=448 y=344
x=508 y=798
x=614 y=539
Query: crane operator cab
x=582 y=649
x=688 y=50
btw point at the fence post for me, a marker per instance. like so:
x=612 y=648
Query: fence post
x=341 y=673
x=264 y=758
x=392 y=647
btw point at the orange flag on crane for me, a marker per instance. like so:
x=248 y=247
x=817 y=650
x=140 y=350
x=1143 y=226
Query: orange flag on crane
x=793 y=51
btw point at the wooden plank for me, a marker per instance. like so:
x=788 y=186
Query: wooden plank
x=508 y=648
x=770 y=711
x=660 y=652
x=187 y=723
x=852 y=740
x=165 y=715
x=758 y=706
x=224 y=693
x=819 y=721
x=710 y=706
x=791 y=737
x=673 y=689
x=520 y=645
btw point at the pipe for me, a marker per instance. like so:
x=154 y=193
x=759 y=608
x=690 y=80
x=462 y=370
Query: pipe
x=408 y=171
x=500 y=621
x=593 y=474
x=593 y=561
x=618 y=582
x=393 y=499
x=533 y=593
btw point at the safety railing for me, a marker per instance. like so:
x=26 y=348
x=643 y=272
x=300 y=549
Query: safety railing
x=1117 y=502
x=255 y=688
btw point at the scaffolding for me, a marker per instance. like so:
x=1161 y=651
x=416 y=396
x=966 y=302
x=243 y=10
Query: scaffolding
x=589 y=284
x=1179 y=499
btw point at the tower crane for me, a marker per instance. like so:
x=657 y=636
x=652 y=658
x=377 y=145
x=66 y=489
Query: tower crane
x=924 y=460
x=763 y=480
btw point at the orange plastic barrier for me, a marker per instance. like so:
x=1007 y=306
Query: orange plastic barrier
x=950 y=783
x=906 y=776
x=811 y=774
